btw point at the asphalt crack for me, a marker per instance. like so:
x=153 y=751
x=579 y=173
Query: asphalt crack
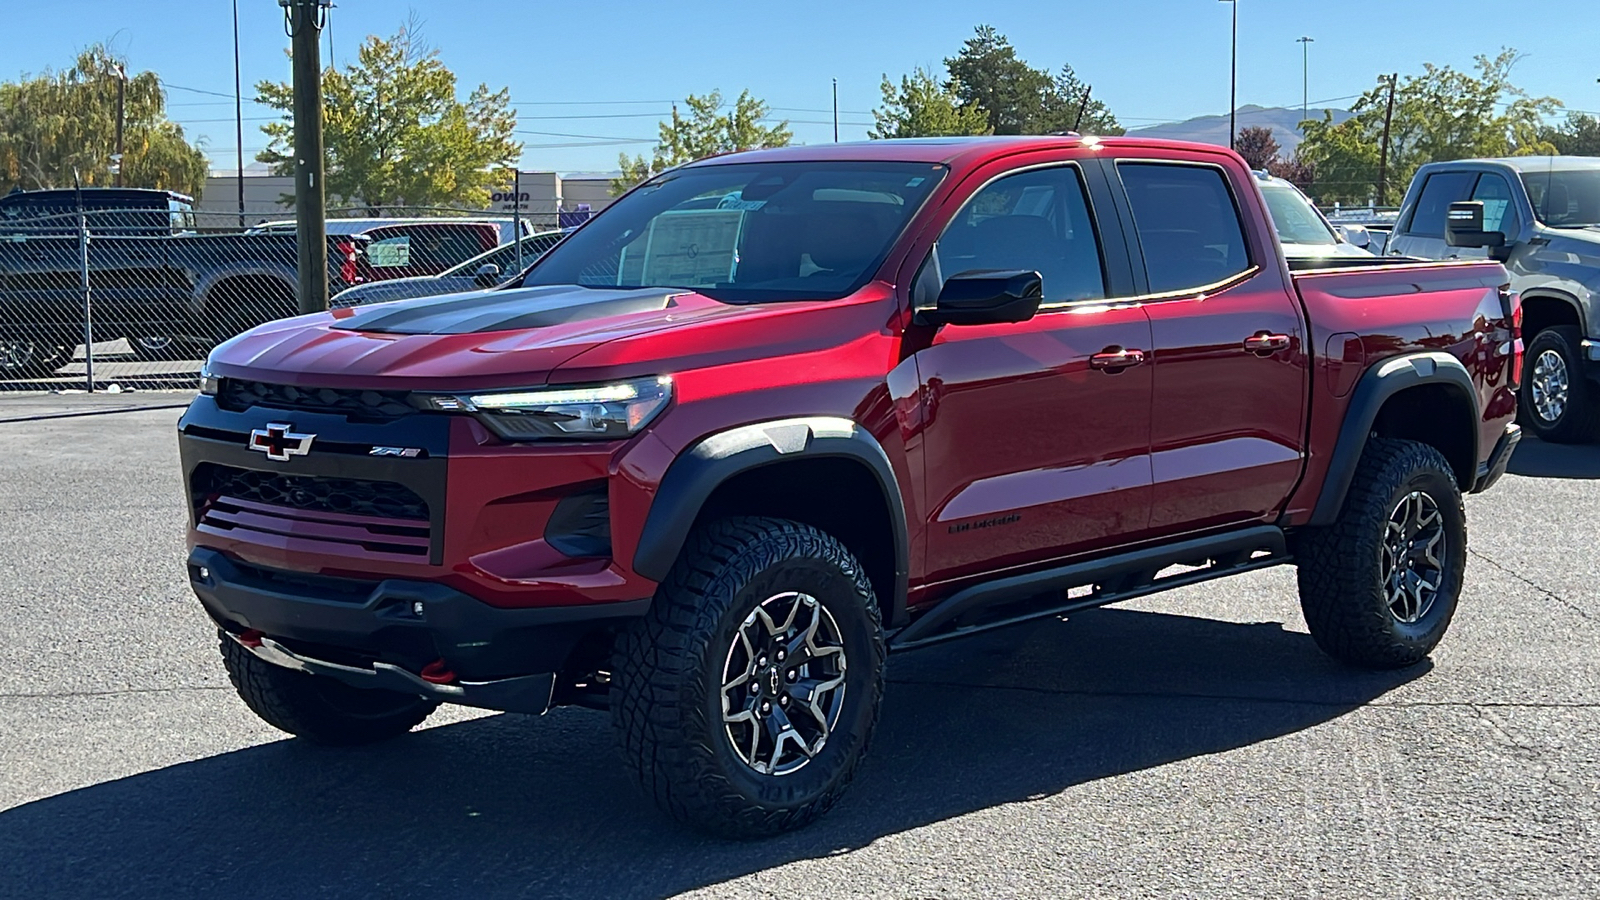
x=1582 y=613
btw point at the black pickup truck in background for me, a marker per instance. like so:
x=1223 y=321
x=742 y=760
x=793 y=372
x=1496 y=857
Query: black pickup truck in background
x=172 y=292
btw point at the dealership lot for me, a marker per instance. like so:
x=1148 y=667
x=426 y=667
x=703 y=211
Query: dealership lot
x=1192 y=744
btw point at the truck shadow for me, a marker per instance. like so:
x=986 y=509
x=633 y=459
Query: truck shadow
x=508 y=806
x=1537 y=459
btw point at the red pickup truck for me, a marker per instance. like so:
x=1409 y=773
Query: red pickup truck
x=776 y=414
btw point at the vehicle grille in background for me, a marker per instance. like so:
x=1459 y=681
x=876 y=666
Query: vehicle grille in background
x=375 y=516
x=357 y=405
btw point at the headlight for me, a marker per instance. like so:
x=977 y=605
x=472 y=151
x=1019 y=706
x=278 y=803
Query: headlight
x=209 y=381
x=597 y=412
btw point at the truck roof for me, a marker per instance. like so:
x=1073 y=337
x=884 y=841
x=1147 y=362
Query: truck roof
x=97 y=194
x=947 y=150
x=1525 y=164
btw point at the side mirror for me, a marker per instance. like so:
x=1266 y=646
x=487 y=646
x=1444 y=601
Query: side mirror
x=1464 y=227
x=1355 y=235
x=987 y=297
x=488 y=275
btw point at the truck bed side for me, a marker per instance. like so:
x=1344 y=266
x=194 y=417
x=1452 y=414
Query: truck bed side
x=1361 y=317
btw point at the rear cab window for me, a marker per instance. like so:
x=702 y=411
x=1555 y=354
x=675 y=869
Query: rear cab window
x=1187 y=223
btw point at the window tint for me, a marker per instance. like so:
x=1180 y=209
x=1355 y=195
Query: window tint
x=1565 y=199
x=1035 y=220
x=1187 y=224
x=1438 y=192
x=1499 y=212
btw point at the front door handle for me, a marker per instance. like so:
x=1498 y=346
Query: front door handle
x=1115 y=359
x=1265 y=342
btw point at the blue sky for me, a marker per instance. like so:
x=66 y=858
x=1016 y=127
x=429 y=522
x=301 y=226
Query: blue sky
x=591 y=79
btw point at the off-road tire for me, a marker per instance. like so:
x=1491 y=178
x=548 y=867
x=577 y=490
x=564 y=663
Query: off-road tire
x=1342 y=578
x=667 y=680
x=320 y=710
x=1579 y=422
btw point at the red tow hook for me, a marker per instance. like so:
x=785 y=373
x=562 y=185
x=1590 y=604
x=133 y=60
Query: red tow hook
x=437 y=672
x=251 y=638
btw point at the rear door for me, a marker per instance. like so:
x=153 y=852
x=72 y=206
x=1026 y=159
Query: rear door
x=1036 y=435
x=1229 y=363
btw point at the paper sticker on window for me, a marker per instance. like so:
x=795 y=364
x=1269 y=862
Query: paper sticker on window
x=690 y=247
x=389 y=253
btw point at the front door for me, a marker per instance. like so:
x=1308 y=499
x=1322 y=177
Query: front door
x=1230 y=366
x=1036 y=435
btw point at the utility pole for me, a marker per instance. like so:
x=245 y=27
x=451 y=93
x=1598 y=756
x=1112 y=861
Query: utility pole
x=305 y=21
x=1082 y=107
x=1383 y=151
x=1305 y=78
x=238 y=115
x=836 y=110
x=1233 y=79
x=122 y=92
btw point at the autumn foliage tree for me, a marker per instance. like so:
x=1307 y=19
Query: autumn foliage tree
x=60 y=127
x=396 y=133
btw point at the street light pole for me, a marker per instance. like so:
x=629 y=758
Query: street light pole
x=1305 y=78
x=1233 y=78
x=238 y=116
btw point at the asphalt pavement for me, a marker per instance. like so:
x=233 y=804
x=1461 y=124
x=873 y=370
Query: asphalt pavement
x=1193 y=744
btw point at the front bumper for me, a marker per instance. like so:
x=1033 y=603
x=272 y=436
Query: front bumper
x=1490 y=470
x=383 y=633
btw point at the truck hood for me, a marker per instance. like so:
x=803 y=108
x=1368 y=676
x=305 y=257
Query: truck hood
x=482 y=339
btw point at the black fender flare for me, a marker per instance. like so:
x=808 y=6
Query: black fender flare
x=1557 y=294
x=699 y=470
x=1377 y=385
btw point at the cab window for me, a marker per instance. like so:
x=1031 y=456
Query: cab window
x=1034 y=221
x=1187 y=223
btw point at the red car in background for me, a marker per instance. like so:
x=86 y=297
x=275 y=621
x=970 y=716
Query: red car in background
x=408 y=248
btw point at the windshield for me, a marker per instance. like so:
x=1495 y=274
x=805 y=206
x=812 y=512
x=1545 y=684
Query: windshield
x=1569 y=199
x=1295 y=220
x=505 y=255
x=747 y=232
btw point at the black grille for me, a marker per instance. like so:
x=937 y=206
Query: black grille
x=357 y=405
x=382 y=499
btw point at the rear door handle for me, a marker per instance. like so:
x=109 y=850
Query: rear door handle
x=1264 y=342
x=1115 y=360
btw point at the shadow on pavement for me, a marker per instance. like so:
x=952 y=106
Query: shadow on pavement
x=1537 y=459
x=512 y=806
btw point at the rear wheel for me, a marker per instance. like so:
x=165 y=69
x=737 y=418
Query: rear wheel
x=1558 y=402
x=747 y=696
x=319 y=709
x=1379 y=586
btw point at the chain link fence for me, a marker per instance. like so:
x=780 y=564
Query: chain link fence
x=136 y=297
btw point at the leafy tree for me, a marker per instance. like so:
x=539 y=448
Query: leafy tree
x=1295 y=171
x=987 y=75
x=395 y=133
x=58 y=123
x=1066 y=99
x=706 y=131
x=1441 y=114
x=1257 y=145
x=922 y=107
x=1579 y=135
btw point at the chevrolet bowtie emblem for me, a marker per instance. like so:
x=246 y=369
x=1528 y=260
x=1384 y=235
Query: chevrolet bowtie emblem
x=279 y=442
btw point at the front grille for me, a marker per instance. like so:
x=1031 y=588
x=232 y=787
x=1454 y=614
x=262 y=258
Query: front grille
x=344 y=496
x=236 y=395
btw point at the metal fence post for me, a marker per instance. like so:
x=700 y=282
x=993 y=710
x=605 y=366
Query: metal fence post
x=88 y=301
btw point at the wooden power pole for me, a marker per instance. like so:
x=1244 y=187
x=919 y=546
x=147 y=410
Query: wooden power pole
x=306 y=18
x=1383 y=151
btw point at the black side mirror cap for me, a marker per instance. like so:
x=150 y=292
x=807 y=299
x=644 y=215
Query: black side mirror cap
x=488 y=275
x=987 y=297
x=1464 y=226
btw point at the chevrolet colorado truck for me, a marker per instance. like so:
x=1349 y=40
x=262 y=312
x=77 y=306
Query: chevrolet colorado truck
x=1540 y=216
x=774 y=415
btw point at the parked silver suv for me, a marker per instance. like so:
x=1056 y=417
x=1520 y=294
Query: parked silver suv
x=1542 y=219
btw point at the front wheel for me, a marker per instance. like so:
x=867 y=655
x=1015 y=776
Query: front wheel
x=1558 y=402
x=746 y=697
x=320 y=709
x=1380 y=585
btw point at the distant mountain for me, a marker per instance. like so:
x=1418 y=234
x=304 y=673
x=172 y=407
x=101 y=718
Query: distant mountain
x=1284 y=122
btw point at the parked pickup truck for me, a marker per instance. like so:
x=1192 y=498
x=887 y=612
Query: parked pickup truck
x=706 y=463
x=171 y=292
x=1541 y=217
